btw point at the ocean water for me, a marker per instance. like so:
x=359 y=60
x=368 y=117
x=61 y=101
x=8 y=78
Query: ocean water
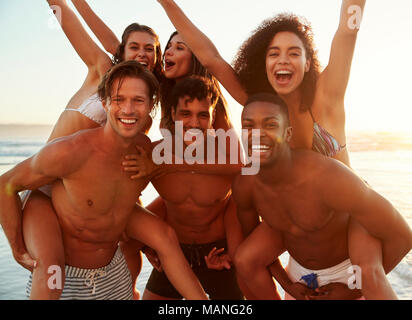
x=384 y=160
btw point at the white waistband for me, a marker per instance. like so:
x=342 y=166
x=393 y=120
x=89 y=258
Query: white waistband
x=339 y=273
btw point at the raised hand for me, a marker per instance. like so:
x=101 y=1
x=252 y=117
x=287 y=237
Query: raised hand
x=141 y=164
x=218 y=260
x=25 y=260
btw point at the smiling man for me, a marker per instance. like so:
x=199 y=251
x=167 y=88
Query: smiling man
x=197 y=203
x=95 y=200
x=305 y=201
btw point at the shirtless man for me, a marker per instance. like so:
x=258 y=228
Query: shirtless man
x=198 y=204
x=94 y=200
x=305 y=201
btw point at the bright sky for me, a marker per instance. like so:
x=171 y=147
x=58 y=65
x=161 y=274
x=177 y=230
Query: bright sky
x=40 y=71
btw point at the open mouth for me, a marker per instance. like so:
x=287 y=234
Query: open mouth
x=283 y=76
x=143 y=63
x=169 y=64
x=191 y=133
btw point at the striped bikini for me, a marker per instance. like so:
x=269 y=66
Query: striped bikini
x=323 y=142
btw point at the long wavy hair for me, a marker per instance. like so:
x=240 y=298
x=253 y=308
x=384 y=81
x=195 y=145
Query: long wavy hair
x=136 y=27
x=166 y=89
x=250 y=61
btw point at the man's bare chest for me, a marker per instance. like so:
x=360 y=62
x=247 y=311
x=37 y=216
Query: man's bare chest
x=295 y=211
x=101 y=186
x=201 y=190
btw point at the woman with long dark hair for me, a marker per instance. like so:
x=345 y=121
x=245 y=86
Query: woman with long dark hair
x=280 y=57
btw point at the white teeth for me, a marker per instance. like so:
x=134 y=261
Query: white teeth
x=260 y=147
x=193 y=132
x=128 y=121
x=283 y=72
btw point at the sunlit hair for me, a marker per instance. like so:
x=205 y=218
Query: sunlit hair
x=123 y=70
x=135 y=27
x=167 y=86
x=250 y=62
x=272 y=99
x=195 y=87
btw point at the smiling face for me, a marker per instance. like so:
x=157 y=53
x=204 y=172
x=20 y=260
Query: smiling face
x=128 y=106
x=286 y=62
x=141 y=47
x=178 y=59
x=195 y=114
x=274 y=131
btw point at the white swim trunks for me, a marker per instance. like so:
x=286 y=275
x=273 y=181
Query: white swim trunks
x=341 y=273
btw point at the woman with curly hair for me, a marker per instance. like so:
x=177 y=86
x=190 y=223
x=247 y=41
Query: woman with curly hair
x=280 y=57
x=41 y=229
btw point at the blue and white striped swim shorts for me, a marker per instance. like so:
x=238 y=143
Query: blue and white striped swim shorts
x=112 y=282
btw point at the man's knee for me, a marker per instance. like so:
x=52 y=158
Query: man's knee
x=243 y=262
x=168 y=239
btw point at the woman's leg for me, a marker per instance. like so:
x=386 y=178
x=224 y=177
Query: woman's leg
x=366 y=252
x=132 y=249
x=133 y=256
x=43 y=239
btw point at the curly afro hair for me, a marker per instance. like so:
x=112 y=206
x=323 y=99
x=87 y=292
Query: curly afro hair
x=250 y=61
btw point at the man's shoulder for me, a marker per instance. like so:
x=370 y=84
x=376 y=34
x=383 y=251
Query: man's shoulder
x=143 y=141
x=243 y=184
x=316 y=169
x=309 y=161
x=81 y=141
x=64 y=155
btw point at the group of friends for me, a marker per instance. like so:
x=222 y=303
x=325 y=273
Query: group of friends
x=212 y=232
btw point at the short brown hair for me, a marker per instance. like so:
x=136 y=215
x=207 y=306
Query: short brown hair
x=128 y=69
x=167 y=86
x=195 y=87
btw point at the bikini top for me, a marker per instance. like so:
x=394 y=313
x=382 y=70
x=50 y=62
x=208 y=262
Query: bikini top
x=92 y=108
x=323 y=142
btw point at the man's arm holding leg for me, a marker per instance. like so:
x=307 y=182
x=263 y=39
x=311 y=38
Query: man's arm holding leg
x=52 y=162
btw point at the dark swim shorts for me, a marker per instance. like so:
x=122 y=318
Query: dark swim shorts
x=219 y=285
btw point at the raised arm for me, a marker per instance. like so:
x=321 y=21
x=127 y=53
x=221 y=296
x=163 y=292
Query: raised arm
x=335 y=77
x=348 y=193
x=106 y=36
x=43 y=168
x=86 y=48
x=205 y=51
